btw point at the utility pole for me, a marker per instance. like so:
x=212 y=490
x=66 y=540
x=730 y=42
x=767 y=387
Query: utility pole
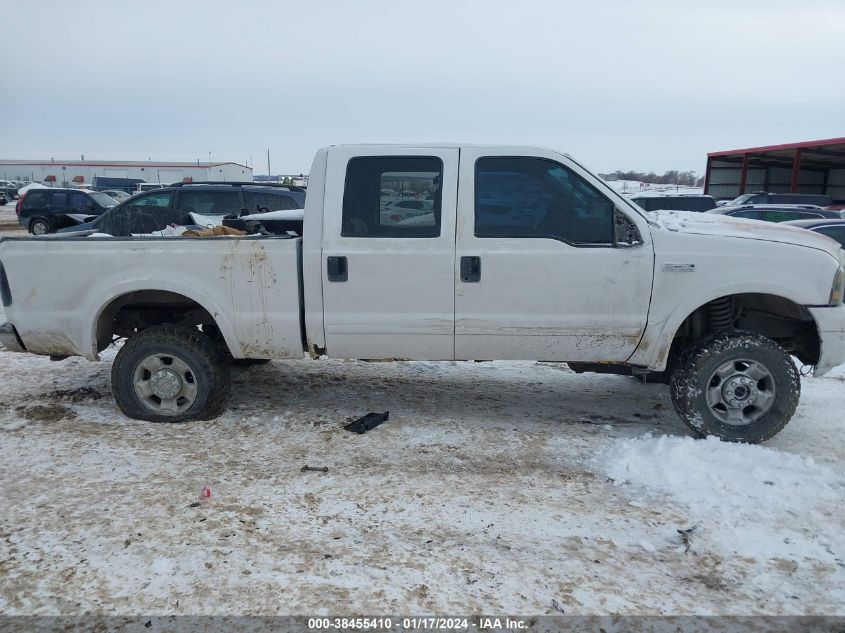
x=268 y=165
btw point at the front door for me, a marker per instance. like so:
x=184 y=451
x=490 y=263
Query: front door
x=538 y=273
x=389 y=252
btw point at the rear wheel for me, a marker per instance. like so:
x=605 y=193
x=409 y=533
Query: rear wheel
x=738 y=386
x=39 y=226
x=170 y=374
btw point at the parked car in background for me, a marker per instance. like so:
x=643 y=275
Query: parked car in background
x=117 y=194
x=830 y=227
x=103 y=183
x=762 y=197
x=398 y=210
x=776 y=212
x=9 y=189
x=674 y=202
x=155 y=210
x=47 y=210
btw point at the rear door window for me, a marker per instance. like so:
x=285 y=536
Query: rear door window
x=209 y=202
x=58 y=199
x=260 y=201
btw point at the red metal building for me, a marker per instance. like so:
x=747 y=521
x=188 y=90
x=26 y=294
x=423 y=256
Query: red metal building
x=808 y=167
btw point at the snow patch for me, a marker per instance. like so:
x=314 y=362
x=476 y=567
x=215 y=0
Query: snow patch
x=755 y=500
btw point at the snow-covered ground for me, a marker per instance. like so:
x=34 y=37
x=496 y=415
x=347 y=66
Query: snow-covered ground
x=631 y=187
x=494 y=487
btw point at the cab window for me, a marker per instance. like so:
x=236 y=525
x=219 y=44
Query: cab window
x=392 y=196
x=539 y=198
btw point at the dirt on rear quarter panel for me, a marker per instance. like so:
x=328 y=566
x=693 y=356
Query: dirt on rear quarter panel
x=49 y=343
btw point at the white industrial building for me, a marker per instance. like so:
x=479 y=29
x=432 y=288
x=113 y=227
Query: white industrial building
x=80 y=172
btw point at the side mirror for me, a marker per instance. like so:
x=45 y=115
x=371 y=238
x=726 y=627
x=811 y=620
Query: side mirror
x=625 y=233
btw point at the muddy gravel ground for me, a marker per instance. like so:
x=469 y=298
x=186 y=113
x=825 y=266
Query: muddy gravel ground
x=484 y=492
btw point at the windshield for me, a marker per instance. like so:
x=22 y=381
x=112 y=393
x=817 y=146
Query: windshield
x=103 y=200
x=744 y=199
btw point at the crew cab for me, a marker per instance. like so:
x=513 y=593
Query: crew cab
x=523 y=254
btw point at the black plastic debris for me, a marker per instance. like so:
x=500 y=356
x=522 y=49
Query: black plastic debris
x=367 y=423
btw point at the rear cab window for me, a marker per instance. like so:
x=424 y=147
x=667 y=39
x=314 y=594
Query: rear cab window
x=377 y=187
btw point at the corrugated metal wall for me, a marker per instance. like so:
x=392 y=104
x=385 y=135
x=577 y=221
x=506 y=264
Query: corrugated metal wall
x=725 y=177
x=836 y=183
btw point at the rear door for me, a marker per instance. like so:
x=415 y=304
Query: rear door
x=58 y=202
x=388 y=280
x=539 y=273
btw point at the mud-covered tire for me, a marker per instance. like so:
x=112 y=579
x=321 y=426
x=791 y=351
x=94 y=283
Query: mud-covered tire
x=209 y=373
x=696 y=373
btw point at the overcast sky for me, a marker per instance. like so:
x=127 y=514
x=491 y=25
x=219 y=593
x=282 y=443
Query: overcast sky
x=647 y=85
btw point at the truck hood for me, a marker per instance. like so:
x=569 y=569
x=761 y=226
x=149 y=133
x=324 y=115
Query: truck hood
x=742 y=228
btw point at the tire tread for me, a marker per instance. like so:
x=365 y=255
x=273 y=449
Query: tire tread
x=179 y=336
x=685 y=386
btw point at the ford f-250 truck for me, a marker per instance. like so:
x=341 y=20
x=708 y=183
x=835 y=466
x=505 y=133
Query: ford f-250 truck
x=493 y=253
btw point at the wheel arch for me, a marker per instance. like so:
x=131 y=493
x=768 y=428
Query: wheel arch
x=771 y=314
x=162 y=305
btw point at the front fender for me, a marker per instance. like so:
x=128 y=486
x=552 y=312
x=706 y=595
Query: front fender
x=653 y=349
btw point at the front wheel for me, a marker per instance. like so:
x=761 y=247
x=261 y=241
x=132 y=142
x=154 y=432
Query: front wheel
x=738 y=386
x=170 y=374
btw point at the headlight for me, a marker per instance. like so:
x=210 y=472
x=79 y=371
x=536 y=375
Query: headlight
x=838 y=288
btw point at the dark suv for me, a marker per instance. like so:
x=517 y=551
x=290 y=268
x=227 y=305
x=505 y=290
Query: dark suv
x=155 y=210
x=44 y=211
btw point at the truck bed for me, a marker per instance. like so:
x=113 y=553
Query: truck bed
x=250 y=286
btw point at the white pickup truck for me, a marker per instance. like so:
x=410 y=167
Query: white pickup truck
x=441 y=252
